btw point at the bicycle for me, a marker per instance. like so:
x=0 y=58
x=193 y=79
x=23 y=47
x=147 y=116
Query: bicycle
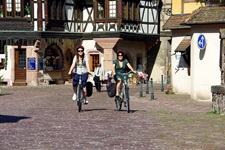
x=80 y=99
x=124 y=93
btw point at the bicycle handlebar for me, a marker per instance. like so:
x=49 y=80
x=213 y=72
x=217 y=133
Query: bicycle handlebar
x=126 y=73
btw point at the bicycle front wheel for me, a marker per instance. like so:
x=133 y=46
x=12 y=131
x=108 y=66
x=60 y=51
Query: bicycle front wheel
x=127 y=98
x=80 y=98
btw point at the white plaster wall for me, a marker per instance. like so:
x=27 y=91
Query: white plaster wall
x=89 y=27
x=161 y=63
x=179 y=75
x=204 y=64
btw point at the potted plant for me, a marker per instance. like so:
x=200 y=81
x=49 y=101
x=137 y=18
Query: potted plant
x=212 y=2
x=27 y=8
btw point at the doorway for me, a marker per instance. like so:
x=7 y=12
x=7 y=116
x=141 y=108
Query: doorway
x=20 y=65
x=94 y=61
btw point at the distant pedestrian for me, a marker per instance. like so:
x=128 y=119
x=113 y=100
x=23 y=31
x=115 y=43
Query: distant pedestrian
x=98 y=77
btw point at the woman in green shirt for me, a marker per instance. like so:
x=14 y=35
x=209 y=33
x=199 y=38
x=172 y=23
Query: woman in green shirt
x=120 y=65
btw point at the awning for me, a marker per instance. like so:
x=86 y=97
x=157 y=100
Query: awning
x=184 y=44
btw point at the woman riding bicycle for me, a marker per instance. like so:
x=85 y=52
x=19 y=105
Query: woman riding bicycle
x=120 y=65
x=81 y=65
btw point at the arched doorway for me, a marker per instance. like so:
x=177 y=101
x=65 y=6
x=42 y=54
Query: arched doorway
x=68 y=62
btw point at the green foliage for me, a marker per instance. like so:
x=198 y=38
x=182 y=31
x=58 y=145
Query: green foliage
x=1 y=80
x=212 y=1
x=27 y=8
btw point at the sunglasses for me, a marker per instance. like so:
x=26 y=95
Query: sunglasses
x=80 y=51
x=120 y=55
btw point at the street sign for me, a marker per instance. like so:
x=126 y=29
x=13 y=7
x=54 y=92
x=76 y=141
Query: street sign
x=31 y=63
x=201 y=42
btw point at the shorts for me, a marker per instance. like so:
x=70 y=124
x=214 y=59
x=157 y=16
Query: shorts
x=84 y=78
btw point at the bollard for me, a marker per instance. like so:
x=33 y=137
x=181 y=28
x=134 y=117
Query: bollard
x=162 y=85
x=147 y=91
x=152 y=89
x=141 y=93
x=167 y=77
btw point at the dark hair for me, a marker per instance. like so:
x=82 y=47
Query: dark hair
x=119 y=51
x=80 y=47
x=83 y=55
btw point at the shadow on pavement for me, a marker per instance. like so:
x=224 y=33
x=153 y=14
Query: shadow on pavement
x=93 y=109
x=2 y=94
x=11 y=119
x=131 y=111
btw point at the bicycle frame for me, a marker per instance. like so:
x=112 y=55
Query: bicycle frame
x=124 y=92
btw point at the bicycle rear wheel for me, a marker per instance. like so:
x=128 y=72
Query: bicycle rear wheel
x=80 y=98
x=127 y=98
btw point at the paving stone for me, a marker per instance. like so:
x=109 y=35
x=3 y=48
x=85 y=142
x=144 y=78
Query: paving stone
x=46 y=118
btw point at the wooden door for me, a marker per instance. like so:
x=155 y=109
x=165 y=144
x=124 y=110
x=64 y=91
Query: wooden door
x=20 y=65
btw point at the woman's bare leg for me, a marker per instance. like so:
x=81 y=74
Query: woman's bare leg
x=118 y=87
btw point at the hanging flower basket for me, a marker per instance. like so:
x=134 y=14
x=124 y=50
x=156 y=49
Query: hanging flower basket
x=142 y=75
x=210 y=3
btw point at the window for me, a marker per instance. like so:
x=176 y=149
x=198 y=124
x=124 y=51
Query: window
x=94 y=61
x=136 y=11
x=101 y=9
x=56 y=9
x=124 y=10
x=13 y=8
x=78 y=10
x=2 y=52
x=1 y=9
x=130 y=10
x=108 y=9
x=22 y=59
x=112 y=9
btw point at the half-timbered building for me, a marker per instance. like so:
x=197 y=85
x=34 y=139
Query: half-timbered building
x=38 y=37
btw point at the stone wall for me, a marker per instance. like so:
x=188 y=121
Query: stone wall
x=218 y=98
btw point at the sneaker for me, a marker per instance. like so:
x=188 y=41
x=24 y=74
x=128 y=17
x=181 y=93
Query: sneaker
x=74 y=97
x=85 y=101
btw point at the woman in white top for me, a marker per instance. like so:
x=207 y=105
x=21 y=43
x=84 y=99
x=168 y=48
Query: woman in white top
x=81 y=67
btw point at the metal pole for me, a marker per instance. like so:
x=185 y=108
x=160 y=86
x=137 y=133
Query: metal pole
x=141 y=93
x=152 y=89
x=147 y=91
x=162 y=85
x=167 y=77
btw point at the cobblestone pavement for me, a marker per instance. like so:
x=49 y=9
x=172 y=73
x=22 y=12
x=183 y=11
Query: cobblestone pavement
x=45 y=118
